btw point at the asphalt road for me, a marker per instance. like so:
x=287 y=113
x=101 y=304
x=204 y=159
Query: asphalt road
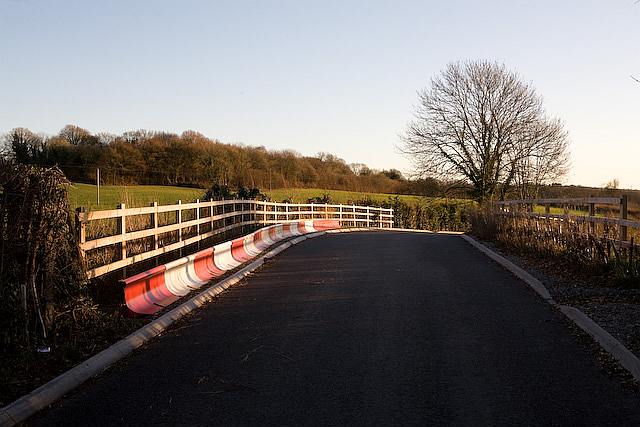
x=368 y=329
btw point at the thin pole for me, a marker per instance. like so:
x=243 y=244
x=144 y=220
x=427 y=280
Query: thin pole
x=98 y=185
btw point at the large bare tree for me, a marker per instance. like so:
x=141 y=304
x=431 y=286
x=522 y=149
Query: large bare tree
x=481 y=123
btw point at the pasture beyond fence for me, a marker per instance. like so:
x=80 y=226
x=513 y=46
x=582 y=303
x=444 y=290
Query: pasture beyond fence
x=114 y=239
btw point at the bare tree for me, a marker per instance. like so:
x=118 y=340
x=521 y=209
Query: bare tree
x=614 y=184
x=479 y=122
x=357 y=167
x=76 y=135
x=105 y=138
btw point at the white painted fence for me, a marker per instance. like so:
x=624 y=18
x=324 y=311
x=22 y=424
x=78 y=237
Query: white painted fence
x=191 y=223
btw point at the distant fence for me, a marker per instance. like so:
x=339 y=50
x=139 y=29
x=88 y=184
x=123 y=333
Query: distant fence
x=625 y=230
x=117 y=238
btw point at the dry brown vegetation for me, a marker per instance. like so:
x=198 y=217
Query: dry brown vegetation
x=49 y=319
x=41 y=269
x=590 y=247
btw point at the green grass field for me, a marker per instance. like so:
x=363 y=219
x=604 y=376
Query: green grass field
x=84 y=195
x=301 y=195
x=556 y=210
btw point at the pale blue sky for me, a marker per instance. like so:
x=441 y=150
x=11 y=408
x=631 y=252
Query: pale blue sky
x=339 y=77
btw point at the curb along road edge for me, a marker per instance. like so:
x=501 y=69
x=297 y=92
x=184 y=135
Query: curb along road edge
x=610 y=344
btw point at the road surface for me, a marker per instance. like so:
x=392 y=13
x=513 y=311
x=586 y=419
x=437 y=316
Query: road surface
x=372 y=328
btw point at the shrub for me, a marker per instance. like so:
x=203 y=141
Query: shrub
x=222 y=192
x=42 y=278
x=324 y=199
x=437 y=215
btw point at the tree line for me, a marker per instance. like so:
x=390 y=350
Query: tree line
x=192 y=159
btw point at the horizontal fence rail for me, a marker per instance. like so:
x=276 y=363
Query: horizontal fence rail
x=577 y=201
x=107 y=238
x=525 y=208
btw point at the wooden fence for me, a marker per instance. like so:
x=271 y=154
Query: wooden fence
x=117 y=238
x=625 y=239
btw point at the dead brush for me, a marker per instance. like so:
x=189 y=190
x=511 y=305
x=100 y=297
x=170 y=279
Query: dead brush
x=592 y=247
x=41 y=268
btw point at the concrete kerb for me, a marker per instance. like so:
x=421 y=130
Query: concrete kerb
x=50 y=392
x=610 y=344
x=409 y=230
x=615 y=348
x=534 y=283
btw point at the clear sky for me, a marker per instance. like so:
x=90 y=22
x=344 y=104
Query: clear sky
x=333 y=76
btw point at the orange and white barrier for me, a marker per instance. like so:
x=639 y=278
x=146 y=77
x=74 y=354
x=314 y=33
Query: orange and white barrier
x=146 y=293
x=154 y=289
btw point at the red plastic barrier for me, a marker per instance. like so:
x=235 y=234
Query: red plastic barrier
x=272 y=234
x=325 y=224
x=146 y=293
x=204 y=266
x=261 y=239
x=302 y=227
x=238 y=252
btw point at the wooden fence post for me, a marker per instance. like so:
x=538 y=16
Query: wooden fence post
x=254 y=216
x=264 y=213
x=155 y=225
x=155 y=229
x=179 y=221
x=198 y=219
x=224 y=220
x=592 y=213
x=234 y=217
x=368 y=218
x=122 y=224
x=81 y=229
x=623 y=215
x=211 y=215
